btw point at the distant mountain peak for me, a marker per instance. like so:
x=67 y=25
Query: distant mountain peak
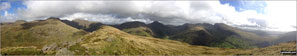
x=204 y=24
x=20 y=21
x=106 y=28
x=80 y=19
x=221 y=24
x=156 y=22
x=133 y=24
x=53 y=18
x=136 y=22
x=186 y=24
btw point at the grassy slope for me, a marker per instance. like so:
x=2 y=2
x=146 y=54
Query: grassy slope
x=111 y=41
x=195 y=35
x=242 y=34
x=235 y=38
x=275 y=50
x=108 y=40
x=30 y=50
x=290 y=36
x=37 y=33
x=86 y=24
x=17 y=39
x=222 y=36
x=140 y=31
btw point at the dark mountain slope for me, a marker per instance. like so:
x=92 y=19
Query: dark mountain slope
x=160 y=30
x=252 y=38
x=136 y=28
x=290 y=36
x=83 y=24
x=133 y=24
x=217 y=35
x=195 y=35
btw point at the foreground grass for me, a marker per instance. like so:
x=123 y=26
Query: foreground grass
x=275 y=50
x=21 y=51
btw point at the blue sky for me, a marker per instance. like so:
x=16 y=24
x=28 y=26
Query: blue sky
x=246 y=5
x=14 y=5
x=237 y=4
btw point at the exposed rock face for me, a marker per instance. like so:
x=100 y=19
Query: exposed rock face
x=50 y=47
x=60 y=47
x=64 y=51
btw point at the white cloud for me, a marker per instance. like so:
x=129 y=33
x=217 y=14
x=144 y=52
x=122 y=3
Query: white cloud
x=4 y=6
x=281 y=15
x=107 y=19
x=8 y=17
x=63 y=8
x=168 y=12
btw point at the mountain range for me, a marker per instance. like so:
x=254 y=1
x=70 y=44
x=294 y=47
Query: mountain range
x=82 y=37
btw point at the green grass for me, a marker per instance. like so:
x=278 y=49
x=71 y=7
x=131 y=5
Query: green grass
x=38 y=34
x=21 y=51
x=233 y=42
x=111 y=41
x=141 y=31
x=78 y=49
x=275 y=50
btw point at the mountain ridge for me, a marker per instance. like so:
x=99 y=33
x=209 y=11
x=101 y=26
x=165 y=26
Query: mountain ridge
x=189 y=39
x=204 y=33
x=41 y=31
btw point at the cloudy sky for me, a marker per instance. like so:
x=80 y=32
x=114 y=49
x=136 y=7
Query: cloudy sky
x=263 y=15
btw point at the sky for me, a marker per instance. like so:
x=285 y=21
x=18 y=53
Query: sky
x=259 y=15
